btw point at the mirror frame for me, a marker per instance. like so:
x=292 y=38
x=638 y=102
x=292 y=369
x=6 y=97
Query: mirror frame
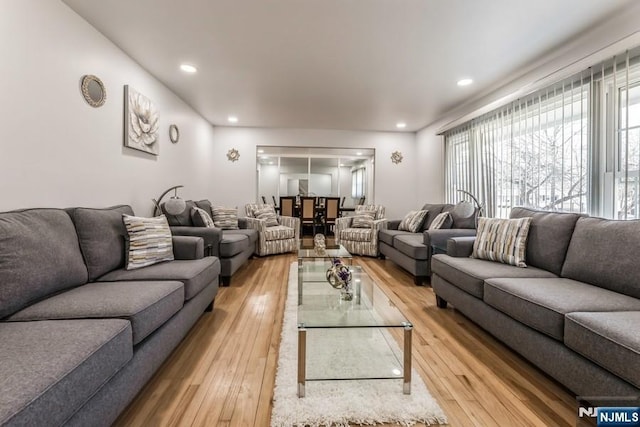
x=174 y=134
x=86 y=81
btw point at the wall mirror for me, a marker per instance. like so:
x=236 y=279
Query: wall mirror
x=93 y=90
x=321 y=172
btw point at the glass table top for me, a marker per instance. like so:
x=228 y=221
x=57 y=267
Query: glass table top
x=320 y=305
x=331 y=251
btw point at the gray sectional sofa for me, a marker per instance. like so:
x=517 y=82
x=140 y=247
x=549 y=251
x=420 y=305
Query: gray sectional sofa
x=574 y=311
x=80 y=334
x=413 y=251
x=232 y=247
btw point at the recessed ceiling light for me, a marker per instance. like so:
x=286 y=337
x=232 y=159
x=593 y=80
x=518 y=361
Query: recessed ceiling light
x=341 y=164
x=465 y=82
x=260 y=151
x=359 y=153
x=232 y=119
x=401 y=125
x=270 y=163
x=187 y=68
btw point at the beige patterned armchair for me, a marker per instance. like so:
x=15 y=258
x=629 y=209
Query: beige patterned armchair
x=278 y=239
x=361 y=240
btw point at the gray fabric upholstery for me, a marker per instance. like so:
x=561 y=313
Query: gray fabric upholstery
x=211 y=236
x=206 y=205
x=460 y=221
x=577 y=373
x=434 y=210
x=469 y=273
x=393 y=224
x=184 y=219
x=50 y=369
x=438 y=238
x=387 y=236
x=605 y=253
x=39 y=255
x=228 y=266
x=105 y=406
x=194 y=274
x=412 y=246
x=102 y=235
x=549 y=237
x=232 y=243
x=147 y=305
x=543 y=303
x=249 y=232
x=412 y=265
x=188 y=247
x=460 y=246
x=609 y=339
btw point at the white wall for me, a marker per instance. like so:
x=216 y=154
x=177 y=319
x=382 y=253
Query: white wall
x=56 y=150
x=395 y=185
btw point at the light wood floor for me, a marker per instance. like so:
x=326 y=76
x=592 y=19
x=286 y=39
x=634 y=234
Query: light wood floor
x=224 y=370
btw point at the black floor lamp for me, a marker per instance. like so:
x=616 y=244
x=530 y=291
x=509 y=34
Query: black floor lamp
x=174 y=206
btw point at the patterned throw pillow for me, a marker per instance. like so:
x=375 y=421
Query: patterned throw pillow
x=413 y=221
x=267 y=214
x=502 y=240
x=441 y=221
x=201 y=218
x=225 y=218
x=148 y=241
x=363 y=219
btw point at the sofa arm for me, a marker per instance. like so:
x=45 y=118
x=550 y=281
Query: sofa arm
x=438 y=238
x=188 y=247
x=393 y=224
x=342 y=224
x=460 y=247
x=211 y=236
x=380 y=224
x=259 y=225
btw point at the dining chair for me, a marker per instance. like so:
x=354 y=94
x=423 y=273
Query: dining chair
x=307 y=213
x=331 y=213
x=287 y=204
x=361 y=201
x=264 y=200
x=342 y=201
x=274 y=200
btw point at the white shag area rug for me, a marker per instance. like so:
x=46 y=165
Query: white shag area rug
x=345 y=402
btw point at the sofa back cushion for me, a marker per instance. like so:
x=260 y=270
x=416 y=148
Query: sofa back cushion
x=184 y=219
x=433 y=211
x=39 y=255
x=206 y=205
x=549 y=237
x=102 y=235
x=464 y=215
x=605 y=253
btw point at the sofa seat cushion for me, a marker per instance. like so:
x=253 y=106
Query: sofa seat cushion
x=279 y=232
x=387 y=236
x=50 y=369
x=609 y=339
x=357 y=234
x=543 y=303
x=251 y=234
x=469 y=274
x=147 y=305
x=232 y=244
x=195 y=274
x=412 y=245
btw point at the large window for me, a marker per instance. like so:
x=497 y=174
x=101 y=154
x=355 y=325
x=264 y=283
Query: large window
x=574 y=146
x=358 y=183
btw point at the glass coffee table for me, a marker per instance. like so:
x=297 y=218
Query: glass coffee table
x=347 y=340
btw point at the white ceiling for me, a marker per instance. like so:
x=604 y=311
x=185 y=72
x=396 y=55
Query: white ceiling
x=336 y=64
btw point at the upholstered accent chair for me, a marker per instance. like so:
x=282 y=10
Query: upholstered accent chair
x=277 y=239
x=359 y=233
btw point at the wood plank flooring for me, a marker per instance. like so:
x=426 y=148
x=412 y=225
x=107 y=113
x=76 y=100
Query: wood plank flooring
x=224 y=370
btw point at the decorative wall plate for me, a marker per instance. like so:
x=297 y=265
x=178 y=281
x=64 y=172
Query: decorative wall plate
x=93 y=90
x=174 y=133
x=233 y=155
x=396 y=157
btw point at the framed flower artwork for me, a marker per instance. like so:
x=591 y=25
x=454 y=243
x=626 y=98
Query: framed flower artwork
x=141 y=122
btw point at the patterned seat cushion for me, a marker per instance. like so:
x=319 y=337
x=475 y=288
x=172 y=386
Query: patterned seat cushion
x=357 y=234
x=279 y=232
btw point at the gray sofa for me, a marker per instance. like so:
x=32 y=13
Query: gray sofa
x=80 y=334
x=413 y=251
x=232 y=247
x=573 y=312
